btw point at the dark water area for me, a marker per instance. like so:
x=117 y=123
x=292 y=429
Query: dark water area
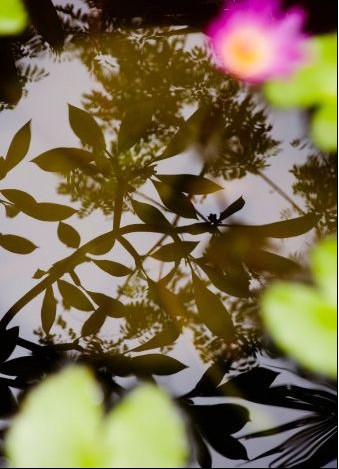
x=158 y=225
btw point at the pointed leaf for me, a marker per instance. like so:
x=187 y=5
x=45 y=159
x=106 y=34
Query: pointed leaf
x=39 y=274
x=175 y=201
x=86 y=128
x=189 y=183
x=20 y=199
x=234 y=281
x=156 y=364
x=18 y=147
x=233 y=208
x=212 y=311
x=8 y=341
x=51 y=212
x=48 y=310
x=68 y=235
x=16 y=244
x=283 y=229
x=59 y=160
x=174 y=252
x=270 y=262
x=94 y=323
x=134 y=125
x=103 y=247
x=113 y=268
x=74 y=296
x=110 y=306
x=167 y=336
x=149 y=214
x=166 y=299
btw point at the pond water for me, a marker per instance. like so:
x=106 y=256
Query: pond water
x=176 y=206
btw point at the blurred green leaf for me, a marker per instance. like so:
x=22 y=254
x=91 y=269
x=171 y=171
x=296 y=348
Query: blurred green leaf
x=314 y=84
x=62 y=425
x=13 y=17
x=324 y=267
x=146 y=431
x=324 y=127
x=303 y=319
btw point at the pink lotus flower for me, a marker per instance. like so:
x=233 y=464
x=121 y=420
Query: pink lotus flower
x=255 y=41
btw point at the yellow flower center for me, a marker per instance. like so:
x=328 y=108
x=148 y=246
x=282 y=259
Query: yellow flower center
x=246 y=51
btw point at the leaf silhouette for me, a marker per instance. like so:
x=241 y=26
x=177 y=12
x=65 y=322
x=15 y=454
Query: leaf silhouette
x=39 y=274
x=234 y=281
x=156 y=364
x=134 y=125
x=74 y=296
x=86 y=128
x=8 y=340
x=167 y=336
x=16 y=244
x=48 y=310
x=149 y=214
x=110 y=306
x=166 y=299
x=20 y=199
x=187 y=133
x=41 y=211
x=24 y=367
x=51 y=212
x=102 y=248
x=283 y=229
x=60 y=160
x=270 y=262
x=213 y=376
x=204 y=457
x=231 y=209
x=112 y=268
x=7 y=403
x=11 y=211
x=212 y=311
x=18 y=147
x=218 y=422
x=189 y=183
x=68 y=235
x=175 y=201
x=252 y=385
x=174 y=252
x=94 y=323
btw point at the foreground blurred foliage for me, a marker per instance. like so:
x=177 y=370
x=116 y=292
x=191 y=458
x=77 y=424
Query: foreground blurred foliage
x=313 y=85
x=62 y=424
x=303 y=319
x=13 y=17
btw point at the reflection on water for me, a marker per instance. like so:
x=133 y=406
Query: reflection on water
x=162 y=201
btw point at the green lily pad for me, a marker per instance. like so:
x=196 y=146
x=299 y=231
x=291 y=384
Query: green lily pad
x=13 y=17
x=62 y=424
x=302 y=319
